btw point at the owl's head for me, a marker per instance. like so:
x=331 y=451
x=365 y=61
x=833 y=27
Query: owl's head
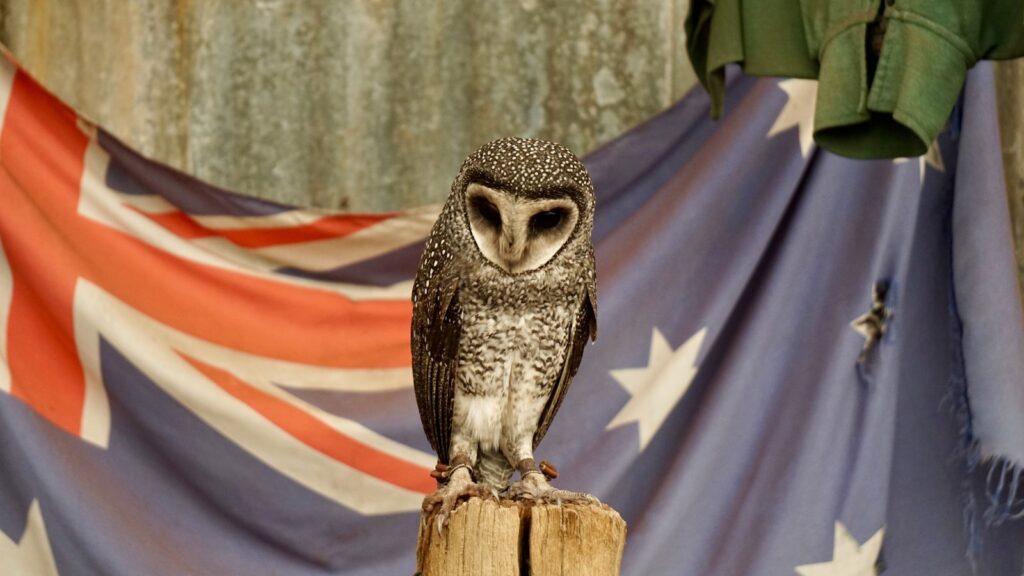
x=524 y=201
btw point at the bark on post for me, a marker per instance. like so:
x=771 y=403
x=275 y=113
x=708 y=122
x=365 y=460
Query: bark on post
x=505 y=538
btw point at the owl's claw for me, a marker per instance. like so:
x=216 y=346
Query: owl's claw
x=448 y=497
x=534 y=487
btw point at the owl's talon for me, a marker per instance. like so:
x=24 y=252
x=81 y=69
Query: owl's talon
x=534 y=487
x=559 y=497
x=447 y=498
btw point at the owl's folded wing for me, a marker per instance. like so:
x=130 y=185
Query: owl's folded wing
x=581 y=329
x=436 y=328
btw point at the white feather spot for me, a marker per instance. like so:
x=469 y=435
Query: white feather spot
x=483 y=416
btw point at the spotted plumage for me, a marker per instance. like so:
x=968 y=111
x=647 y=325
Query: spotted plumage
x=503 y=304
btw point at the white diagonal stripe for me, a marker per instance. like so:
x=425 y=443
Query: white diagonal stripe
x=155 y=204
x=95 y=426
x=367 y=243
x=6 y=292
x=148 y=203
x=154 y=349
x=7 y=72
x=101 y=204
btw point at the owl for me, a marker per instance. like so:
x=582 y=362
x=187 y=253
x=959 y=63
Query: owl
x=504 y=302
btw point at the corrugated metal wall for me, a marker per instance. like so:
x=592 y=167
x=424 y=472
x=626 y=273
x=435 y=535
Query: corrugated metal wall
x=1010 y=88
x=365 y=105
x=371 y=104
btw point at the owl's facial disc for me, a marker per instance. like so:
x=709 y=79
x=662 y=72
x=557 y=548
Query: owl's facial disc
x=518 y=234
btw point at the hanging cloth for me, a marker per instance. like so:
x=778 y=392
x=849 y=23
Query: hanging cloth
x=889 y=73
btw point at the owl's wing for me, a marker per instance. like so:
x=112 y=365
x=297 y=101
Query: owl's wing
x=436 y=328
x=581 y=329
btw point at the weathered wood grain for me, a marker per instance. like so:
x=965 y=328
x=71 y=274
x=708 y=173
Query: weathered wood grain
x=576 y=540
x=492 y=538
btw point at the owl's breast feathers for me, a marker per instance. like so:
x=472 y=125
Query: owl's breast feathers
x=468 y=325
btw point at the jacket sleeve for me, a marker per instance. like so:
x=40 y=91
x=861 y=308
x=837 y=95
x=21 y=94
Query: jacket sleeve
x=766 y=38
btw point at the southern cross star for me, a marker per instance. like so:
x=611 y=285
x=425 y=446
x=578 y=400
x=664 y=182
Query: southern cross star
x=658 y=387
x=848 y=557
x=798 y=111
x=933 y=158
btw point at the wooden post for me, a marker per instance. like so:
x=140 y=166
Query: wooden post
x=506 y=538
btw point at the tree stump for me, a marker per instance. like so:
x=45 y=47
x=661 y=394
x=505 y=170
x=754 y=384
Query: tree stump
x=506 y=538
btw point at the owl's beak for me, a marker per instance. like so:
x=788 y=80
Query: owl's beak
x=511 y=249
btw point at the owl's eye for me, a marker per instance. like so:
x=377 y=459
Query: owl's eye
x=547 y=220
x=488 y=212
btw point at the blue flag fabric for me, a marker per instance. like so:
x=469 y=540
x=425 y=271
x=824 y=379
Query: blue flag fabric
x=804 y=432
x=807 y=365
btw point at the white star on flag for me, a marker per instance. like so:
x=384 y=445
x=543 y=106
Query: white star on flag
x=933 y=158
x=32 y=554
x=798 y=111
x=656 y=389
x=848 y=557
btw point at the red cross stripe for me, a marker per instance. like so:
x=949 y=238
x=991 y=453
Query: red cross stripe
x=50 y=247
x=318 y=435
x=184 y=226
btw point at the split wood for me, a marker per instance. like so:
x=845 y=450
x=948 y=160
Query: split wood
x=507 y=538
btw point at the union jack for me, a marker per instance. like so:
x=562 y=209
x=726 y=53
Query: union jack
x=225 y=301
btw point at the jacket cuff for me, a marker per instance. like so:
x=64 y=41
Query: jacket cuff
x=920 y=72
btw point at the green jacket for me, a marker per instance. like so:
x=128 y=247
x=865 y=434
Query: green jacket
x=888 y=73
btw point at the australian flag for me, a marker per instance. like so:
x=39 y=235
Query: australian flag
x=808 y=365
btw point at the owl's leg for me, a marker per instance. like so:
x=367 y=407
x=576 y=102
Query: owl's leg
x=458 y=485
x=533 y=485
x=520 y=424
